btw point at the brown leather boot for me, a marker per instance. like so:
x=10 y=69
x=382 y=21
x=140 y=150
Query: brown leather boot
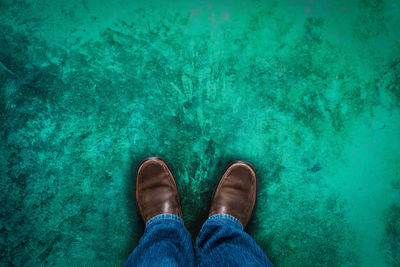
x=156 y=189
x=236 y=192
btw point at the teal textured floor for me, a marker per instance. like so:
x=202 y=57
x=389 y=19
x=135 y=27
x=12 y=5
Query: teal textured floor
x=307 y=91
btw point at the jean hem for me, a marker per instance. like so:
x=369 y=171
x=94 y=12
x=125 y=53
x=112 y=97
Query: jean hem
x=225 y=217
x=164 y=218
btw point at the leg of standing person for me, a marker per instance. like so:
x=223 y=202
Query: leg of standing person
x=165 y=242
x=222 y=241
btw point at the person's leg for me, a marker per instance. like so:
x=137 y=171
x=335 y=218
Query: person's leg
x=222 y=241
x=165 y=242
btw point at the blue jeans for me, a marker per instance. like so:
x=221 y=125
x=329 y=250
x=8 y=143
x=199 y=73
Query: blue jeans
x=221 y=242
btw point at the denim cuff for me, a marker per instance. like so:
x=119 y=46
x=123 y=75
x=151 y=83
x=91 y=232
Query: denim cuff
x=224 y=218
x=163 y=218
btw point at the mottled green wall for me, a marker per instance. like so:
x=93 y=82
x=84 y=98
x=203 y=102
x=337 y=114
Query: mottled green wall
x=307 y=91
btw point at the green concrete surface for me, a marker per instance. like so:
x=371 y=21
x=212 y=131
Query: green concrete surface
x=307 y=91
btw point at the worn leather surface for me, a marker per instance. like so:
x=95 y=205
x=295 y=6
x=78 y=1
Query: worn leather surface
x=156 y=189
x=236 y=192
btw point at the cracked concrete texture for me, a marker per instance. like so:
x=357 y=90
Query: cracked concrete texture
x=308 y=92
